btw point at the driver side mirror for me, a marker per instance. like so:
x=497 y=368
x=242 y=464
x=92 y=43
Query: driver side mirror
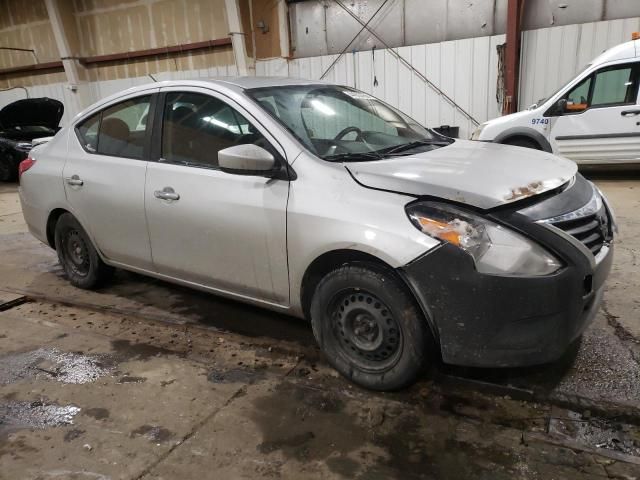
x=247 y=159
x=561 y=106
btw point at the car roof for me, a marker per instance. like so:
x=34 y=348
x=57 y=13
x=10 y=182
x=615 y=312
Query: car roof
x=260 y=82
x=241 y=83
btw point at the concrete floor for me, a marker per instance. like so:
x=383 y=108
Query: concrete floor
x=147 y=380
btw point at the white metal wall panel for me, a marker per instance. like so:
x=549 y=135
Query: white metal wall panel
x=553 y=56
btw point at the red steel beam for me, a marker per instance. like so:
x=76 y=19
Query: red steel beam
x=114 y=57
x=34 y=68
x=154 y=52
x=512 y=55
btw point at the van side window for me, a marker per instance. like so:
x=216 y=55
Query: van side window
x=615 y=86
x=197 y=126
x=578 y=98
x=121 y=134
x=88 y=132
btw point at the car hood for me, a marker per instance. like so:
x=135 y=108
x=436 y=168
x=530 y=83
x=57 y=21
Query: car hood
x=42 y=112
x=484 y=175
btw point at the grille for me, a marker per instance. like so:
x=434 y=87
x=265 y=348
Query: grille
x=592 y=230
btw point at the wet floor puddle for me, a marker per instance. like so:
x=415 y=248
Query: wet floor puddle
x=236 y=375
x=65 y=367
x=153 y=433
x=597 y=433
x=38 y=415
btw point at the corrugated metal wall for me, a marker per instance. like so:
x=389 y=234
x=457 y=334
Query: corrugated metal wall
x=324 y=27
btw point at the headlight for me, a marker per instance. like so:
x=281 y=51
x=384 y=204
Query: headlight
x=494 y=248
x=476 y=133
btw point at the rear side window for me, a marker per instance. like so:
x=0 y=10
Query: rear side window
x=123 y=128
x=197 y=126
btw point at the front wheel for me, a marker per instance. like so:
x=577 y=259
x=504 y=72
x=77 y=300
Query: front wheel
x=370 y=327
x=523 y=142
x=77 y=255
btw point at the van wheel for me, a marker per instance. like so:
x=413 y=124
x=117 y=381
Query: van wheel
x=78 y=257
x=523 y=142
x=369 y=327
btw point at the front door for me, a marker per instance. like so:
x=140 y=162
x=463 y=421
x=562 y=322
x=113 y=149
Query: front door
x=104 y=179
x=208 y=227
x=601 y=120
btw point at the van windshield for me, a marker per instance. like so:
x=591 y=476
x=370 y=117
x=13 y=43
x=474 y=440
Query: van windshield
x=343 y=124
x=543 y=100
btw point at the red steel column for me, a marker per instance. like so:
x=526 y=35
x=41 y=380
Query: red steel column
x=512 y=56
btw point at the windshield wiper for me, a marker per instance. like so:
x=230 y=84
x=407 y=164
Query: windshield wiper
x=353 y=157
x=411 y=145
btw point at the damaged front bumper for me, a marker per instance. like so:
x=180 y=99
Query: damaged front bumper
x=486 y=320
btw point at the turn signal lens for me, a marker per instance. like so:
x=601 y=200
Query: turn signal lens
x=444 y=231
x=635 y=36
x=495 y=249
x=25 y=165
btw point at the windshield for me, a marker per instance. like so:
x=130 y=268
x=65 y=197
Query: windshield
x=543 y=100
x=341 y=123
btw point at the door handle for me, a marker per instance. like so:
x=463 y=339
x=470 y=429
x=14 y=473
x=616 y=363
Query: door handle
x=75 y=181
x=630 y=113
x=167 y=193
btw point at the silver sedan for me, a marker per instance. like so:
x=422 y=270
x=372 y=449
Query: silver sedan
x=321 y=201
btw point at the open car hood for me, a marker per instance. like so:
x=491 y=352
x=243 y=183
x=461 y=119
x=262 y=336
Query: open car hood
x=41 y=112
x=483 y=175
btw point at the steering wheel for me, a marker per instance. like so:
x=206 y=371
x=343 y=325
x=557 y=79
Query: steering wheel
x=347 y=131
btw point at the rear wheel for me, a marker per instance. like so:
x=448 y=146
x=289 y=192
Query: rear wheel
x=523 y=142
x=369 y=327
x=78 y=257
x=8 y=172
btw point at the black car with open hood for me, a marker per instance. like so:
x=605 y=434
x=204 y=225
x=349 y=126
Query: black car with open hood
x=21 y=122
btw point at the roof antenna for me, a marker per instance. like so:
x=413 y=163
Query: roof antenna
x=152 y=77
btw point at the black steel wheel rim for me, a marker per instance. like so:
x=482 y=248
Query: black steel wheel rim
x=76 y=253
x=365 y=330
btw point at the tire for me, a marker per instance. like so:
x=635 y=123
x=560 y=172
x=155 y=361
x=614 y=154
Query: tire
x=77 y=255
x=523 y=142
x=369 y=327
x=8 y=171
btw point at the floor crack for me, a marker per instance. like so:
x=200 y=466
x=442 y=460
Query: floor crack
x=238 y=393
x=620 y=331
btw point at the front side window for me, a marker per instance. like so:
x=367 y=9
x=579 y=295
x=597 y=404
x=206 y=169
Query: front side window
x=197 y=126
x=120 y=134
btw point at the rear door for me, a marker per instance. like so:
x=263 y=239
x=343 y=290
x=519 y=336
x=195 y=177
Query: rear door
x=104 y=178
x=601 y=121
x=206 y=226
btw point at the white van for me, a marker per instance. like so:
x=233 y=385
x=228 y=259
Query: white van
x=593 y=119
